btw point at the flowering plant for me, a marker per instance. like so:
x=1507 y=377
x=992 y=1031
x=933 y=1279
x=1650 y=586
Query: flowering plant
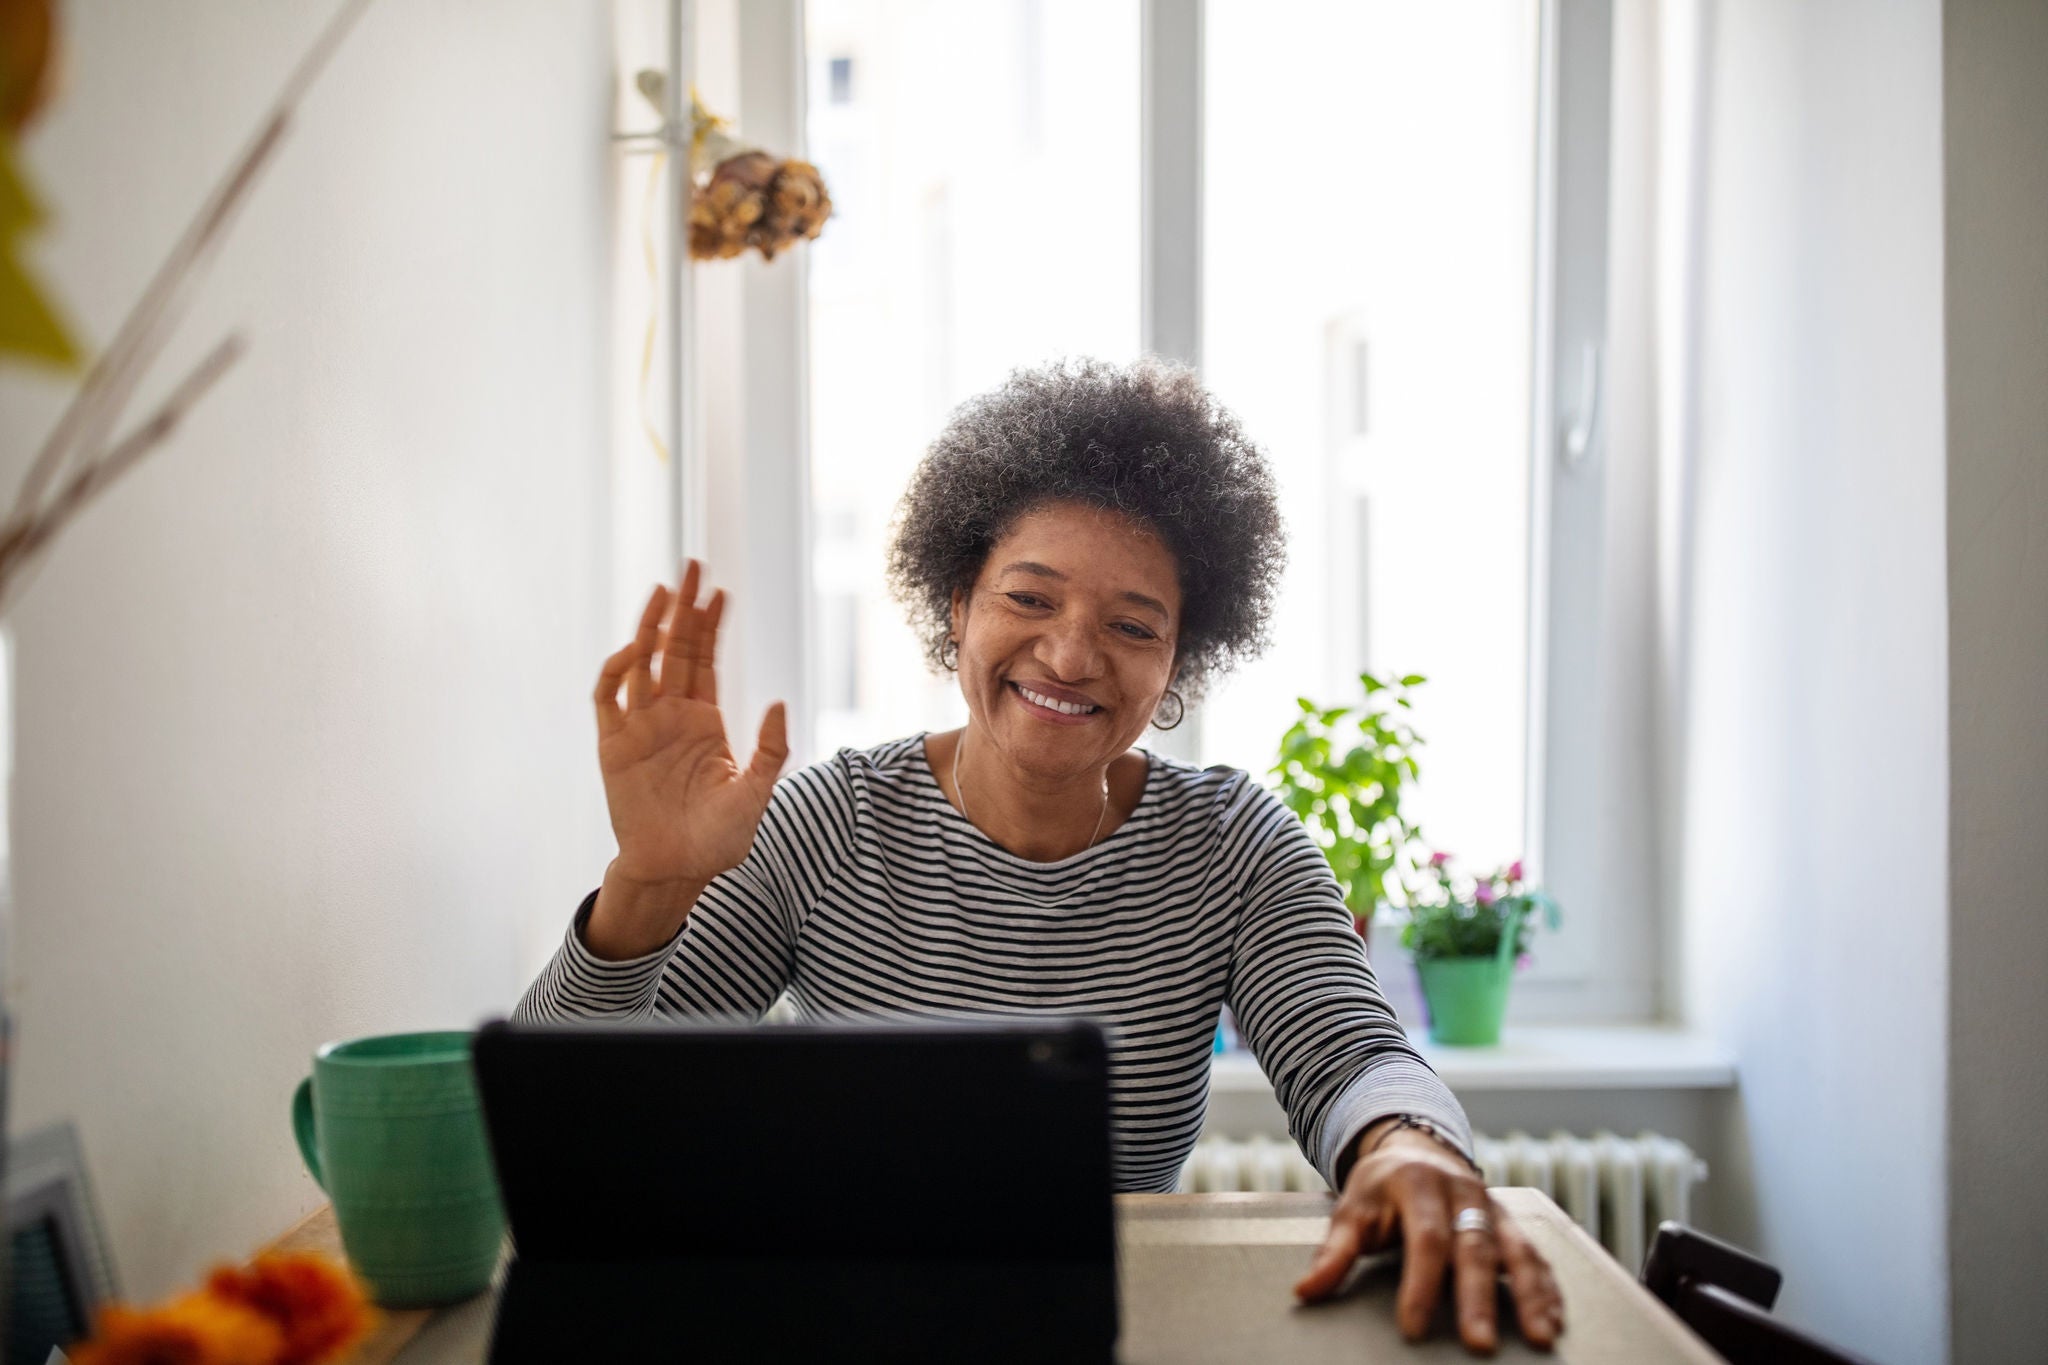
x=1453 y=916
x=280 y=1309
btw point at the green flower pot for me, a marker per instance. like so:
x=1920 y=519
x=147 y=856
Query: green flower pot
x=1467 y=997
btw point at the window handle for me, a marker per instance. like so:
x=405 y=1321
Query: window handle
x=1578 y=438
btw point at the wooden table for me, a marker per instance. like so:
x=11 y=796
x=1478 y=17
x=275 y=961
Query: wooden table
x=1209 y=1277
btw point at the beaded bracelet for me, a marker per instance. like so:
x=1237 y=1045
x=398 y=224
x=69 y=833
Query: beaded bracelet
x=1421 y=1125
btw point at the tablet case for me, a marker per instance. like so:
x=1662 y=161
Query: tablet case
x=816 y=1192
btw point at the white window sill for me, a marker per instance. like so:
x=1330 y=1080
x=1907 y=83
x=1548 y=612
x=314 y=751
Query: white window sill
x=1548 y=1057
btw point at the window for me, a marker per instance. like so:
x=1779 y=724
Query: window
x=1368 y=237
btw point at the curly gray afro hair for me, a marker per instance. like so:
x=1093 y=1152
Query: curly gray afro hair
x=1144 y=440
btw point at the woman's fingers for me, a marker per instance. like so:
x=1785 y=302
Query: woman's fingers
x=1539 y=1306
x=639 y=680
x=683 y=637
x=1350 y=1233
x=1448 y=1225
x=704 y=654
x=678 y=659
x=610 y=715
x=771 y=750
x=1475 y=1258
x=1426 y=1249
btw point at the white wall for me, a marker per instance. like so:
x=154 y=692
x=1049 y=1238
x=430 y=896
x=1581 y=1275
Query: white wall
x=1995 y=94
x=303 y=741
x=1814 y=833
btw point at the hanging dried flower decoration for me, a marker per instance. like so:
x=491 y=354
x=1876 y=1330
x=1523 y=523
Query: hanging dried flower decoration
x=742 y=197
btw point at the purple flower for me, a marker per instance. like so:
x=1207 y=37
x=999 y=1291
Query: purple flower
x=1484 y=893
x=1515 y=870
x=1439 y=859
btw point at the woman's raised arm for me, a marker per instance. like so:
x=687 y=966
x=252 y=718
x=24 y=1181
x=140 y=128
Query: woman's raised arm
x=682 y=808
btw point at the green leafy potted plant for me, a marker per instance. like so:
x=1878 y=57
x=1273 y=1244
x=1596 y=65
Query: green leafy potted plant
x=1466 y=944
x=1343 y=770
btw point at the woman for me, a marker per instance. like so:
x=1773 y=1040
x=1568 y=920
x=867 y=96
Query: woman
x=1085 y=547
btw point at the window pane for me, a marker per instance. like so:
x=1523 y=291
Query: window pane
x=1368 y=230
x=983 y=159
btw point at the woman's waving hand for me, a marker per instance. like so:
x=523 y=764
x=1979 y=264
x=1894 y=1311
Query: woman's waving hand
x=682 y=807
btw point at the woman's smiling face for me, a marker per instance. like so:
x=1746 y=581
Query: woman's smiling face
x=1067 y=639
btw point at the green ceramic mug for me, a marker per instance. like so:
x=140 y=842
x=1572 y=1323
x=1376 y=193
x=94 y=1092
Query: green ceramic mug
x=392 y=1129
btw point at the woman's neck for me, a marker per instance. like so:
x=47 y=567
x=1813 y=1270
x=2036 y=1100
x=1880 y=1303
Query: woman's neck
x=1027 y=814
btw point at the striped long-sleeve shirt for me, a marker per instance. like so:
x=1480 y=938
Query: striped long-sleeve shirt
x=867 y=895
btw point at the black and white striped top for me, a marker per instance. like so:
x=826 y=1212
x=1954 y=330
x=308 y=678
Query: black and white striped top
x=867 y=895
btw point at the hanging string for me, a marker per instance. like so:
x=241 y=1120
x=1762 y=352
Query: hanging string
x=648 y=248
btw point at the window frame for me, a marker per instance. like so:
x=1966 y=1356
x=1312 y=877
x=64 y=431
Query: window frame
x=1172 y=55
x=740 y=424
x=1586 y=763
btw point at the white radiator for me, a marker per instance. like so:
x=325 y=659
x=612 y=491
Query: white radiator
x=1616 y=1188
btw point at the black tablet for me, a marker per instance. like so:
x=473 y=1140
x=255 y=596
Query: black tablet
x=899 y=1191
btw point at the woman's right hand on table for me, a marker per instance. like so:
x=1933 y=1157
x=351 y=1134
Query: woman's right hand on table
x=682 y=808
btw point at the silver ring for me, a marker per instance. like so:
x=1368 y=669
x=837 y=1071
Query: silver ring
x=1473 y=1220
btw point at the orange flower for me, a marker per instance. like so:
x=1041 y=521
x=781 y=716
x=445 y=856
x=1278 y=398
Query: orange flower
x=318 y=1306
x=198 y=1329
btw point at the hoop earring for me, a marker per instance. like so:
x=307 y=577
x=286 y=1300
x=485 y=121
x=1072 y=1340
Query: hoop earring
x=1180 y=711
x=949 y=655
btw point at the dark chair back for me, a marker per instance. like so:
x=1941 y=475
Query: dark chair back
x=1725 y=1295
